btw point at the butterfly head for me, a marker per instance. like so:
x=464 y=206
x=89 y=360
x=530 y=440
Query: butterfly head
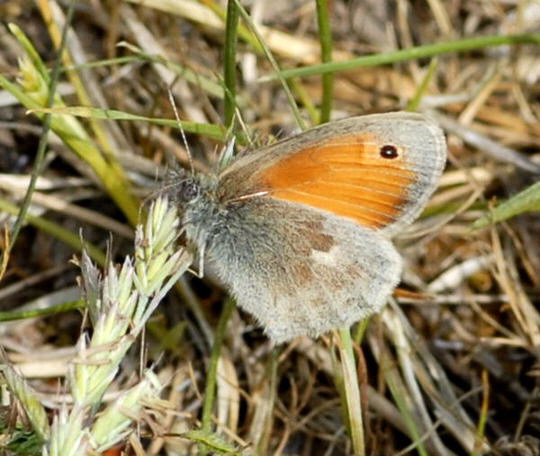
x=188 y=190
x=185 y=187
x=194 y=193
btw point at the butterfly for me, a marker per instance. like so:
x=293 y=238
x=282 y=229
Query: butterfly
x=300 y=231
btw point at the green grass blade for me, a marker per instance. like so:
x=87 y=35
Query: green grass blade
x=415 y=101
x=353 y=402
x=39 y=313
x=527 y=200
x=211 y=378
x=418 y=52
x=209 y=130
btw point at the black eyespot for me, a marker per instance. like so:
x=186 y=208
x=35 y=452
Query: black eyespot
x=389 y=151
x=189 y=191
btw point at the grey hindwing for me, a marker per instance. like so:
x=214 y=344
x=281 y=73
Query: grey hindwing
x=302 y=272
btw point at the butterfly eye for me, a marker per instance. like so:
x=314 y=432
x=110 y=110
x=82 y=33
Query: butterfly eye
x=190 y=191
x=389 y=151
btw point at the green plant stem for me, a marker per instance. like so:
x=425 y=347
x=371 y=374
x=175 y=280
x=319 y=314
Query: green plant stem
x=210 y=388
x=243 y=31
x=43 y=140
x=229 y=62
x=361 y=328
x=325 y=36
x=60 y=308
x=85 y=112
x=418 y=52
x=270 y=391
x=402 y=400
x=268 y=53
x=527 y=200
x=484 y=415
x=352 y=391
x=305 y=100
x=415 y=101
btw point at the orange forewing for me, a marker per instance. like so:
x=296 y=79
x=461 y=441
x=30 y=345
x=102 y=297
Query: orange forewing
x=346 y=176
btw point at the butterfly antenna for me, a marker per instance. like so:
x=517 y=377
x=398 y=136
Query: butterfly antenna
x=182 y=132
